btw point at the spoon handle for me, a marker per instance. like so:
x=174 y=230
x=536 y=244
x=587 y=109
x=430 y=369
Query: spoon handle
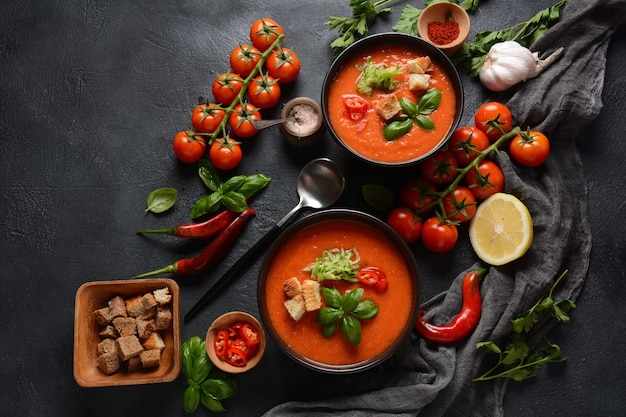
x=262 y=124
x=245 y=261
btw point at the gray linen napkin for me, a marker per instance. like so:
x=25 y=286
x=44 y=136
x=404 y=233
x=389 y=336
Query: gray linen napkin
x=426 y=379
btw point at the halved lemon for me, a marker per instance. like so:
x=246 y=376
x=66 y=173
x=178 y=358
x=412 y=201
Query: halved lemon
x=501 y=230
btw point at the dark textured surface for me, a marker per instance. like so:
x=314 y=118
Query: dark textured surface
x=91 y=95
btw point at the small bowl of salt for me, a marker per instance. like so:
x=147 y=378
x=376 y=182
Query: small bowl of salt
x=305 y=124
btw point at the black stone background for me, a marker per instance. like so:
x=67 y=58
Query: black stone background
x=91 y=96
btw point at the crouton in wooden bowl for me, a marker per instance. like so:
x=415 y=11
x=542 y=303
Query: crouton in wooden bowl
x=127 y=332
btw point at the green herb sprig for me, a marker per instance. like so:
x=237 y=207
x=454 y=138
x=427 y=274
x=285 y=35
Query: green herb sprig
x=232 y=194
x=413 y=113
x=516 y=360
x=207 y=385
x=377 y=76
x=352 y=27
x=345 y=311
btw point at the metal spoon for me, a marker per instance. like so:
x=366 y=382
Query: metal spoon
x=262 y=124
x=320 y=184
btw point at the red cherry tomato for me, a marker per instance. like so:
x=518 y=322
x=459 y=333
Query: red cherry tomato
x=405 y=223
x=493 y=116
x=188 y=146
x=264 y=32
x=264 y=91
x=243 y=59
x=225 y=154
x=439 y=237
x=530 y=148
x=240 y=120
x=485 y=181
x=466 y=143
x=441 y=168
x=226 y=87
x=355 y=105
x=417 y=193
x=206 y=118
x=460 y=204
x=284 y=65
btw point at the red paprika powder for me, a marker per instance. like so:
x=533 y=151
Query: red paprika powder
x=442 y=33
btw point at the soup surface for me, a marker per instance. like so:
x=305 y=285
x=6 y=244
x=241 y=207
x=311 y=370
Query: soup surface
x=365 y=136
x=305 y=336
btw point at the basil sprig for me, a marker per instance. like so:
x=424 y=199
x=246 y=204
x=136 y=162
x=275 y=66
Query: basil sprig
x=232 y=194
x=207 y=385
x=345 y=310
x=413 y=113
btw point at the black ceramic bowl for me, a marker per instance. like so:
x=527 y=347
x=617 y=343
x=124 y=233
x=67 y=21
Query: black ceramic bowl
x=380 y=41
x=397 y=312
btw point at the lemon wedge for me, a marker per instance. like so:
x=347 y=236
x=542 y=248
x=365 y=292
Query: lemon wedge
x=501 y=230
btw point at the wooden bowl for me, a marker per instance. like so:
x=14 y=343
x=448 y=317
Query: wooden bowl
x=92 y=296
x=441 y=12
x=223 y=322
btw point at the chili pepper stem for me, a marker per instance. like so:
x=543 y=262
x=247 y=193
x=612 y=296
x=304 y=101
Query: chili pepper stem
x=170 y=231
x=165 y=270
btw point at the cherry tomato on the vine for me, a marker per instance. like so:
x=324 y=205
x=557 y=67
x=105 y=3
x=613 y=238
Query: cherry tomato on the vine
x=240 y=120
x=206 y=118
x=441 y=168
x=439 y=237
x=530 y=148
x=284 y=65
x=492 y=114
x=225 y=154
x=264 y=32
x=188 y=146
x=466 y=143
x=264 y=91
x=485 y=181
x=244 y=58
x=417 y=193
x=355 y=105
x=460 y=204
x=405 y=223
x=226 y=86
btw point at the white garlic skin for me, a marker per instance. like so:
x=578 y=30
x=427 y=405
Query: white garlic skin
x=507 y=64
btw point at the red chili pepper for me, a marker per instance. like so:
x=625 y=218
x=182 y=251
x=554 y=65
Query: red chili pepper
x=205 y=229
x=211 y=254
x=236 y=357
x=249 y=335
x=220 y=344
x=374 y=277
x=465 y=322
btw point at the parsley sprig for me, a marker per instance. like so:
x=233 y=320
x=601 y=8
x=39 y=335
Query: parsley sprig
x=516 y=360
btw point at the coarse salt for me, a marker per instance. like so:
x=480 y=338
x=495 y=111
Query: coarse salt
x=303 y=119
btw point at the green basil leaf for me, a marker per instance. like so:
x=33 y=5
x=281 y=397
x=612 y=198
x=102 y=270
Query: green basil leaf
x=378 y=196
x=425 y=122
x=351 y=330
x=329 y=329
x=408 y=107
x=332 y=296
x=351 y=299
x=218 y=389
x=186 y=360
x=201 y=368
x=234 y=201
x=191 y=399
x=233 y=183
x=206 y=205
x=365 y=310
x=329 y=315
x=253 y=184
x=397 y=128
x=209 y=175
x=211 y=403
x=161 y=199
x=429 y=101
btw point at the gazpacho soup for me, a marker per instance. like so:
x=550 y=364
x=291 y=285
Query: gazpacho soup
x=295 y=294
x=391 y=104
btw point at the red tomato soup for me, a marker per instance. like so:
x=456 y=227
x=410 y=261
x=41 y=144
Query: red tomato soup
x=364 y=136
x=304 y=337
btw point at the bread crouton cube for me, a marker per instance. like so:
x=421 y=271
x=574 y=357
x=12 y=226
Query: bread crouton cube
x=419 y=82
x=108 y=332
x=163 y=318
x=150 y=358
x=420 y=65
x=134 y=306
x=388 y=106
x=312 y=295
x=109 y=363
x=145 y=328
x=117 y=307
x=133 y=364
x=125 y=326
x=154 y=341
x=295 y=307
x=103 y=316
x=148 y=301
x=292 y=287
x=106 y=346
x=128 y=346
x=162 y=296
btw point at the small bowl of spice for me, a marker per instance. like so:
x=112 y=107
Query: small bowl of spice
x=305 y=124
x=444 y=24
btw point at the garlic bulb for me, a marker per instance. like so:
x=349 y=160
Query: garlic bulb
x=509 y=63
